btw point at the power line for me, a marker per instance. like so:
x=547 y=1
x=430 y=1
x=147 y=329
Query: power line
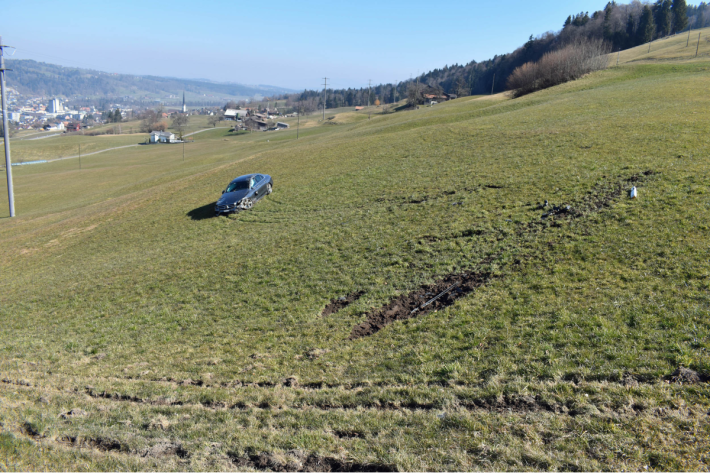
x=6 y=132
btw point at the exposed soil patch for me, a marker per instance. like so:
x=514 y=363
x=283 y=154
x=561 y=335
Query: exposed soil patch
x=341 y=302
x=164 y=449
x=687 y=376
x=103 y=444
x=451 y=287
x=347 y=434
x=426 y=299
x=600 y=197
x=296 y=460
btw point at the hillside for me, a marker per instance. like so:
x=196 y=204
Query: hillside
x=618 y=25
x=139 y=332
x=39 y=78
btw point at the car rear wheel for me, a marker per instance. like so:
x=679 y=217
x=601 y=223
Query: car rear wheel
x=269 y=189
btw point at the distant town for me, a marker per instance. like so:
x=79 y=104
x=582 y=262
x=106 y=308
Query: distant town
x=69 y=115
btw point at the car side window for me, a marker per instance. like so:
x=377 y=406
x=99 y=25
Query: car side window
x=257 y=179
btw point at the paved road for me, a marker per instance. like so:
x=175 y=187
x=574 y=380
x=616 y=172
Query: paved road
x=206 y=129
x=40 y=137
x=26 y=138
x=89 y=154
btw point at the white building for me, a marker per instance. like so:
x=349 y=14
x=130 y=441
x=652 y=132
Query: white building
x=232 y=114
x=13 y=116
x=56 y=127
x=163 y=137
x=55 y=106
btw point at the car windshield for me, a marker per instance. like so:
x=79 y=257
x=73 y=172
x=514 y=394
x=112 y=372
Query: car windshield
x=238 y=186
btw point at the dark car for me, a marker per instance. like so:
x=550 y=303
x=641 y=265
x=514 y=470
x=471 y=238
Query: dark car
x=243 y=192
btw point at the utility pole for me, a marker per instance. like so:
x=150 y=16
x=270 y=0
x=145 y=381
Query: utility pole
x=369 y=91
x=618 y=56
x=493 y=86
x=79 y=156
x=6 y=131
x=183 y=150
x=298 y=122
x=325 y=96
x=417 y=87
x=696 y=55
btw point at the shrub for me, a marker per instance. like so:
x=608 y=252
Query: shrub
x=557 y=67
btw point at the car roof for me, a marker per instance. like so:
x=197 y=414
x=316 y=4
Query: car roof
x=245 y=177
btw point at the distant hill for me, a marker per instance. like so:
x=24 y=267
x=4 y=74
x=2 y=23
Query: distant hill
x=39 y=78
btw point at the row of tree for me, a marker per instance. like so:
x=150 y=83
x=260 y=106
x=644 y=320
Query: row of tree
x=112 y=116
x=636 y=23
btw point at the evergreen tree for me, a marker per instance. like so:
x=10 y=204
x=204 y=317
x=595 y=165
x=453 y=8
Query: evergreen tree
x=646 y=28
x=630 y=32
x=607 y=32
x=680 y=15
x=568 y=22
x=663 y=17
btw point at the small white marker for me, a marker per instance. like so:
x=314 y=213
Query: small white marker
x=634 y=192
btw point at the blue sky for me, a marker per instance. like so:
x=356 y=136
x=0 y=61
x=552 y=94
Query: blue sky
x=285 y=43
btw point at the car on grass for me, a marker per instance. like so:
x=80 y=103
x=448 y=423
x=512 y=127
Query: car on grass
x=243 y=192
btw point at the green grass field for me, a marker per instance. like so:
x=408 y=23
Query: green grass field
x=139 y=332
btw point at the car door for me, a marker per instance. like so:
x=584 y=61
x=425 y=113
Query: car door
x=259 y=188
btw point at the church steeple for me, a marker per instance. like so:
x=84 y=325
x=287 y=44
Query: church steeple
x=184 y=107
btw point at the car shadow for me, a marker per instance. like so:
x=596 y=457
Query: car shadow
x=202 y=213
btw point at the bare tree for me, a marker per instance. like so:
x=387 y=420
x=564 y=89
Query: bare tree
x=216 y=118
x=11 y=128
x=560 y=66
x=180 y=122
x=414 y=94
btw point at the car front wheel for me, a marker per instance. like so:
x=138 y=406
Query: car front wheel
x=269 y=189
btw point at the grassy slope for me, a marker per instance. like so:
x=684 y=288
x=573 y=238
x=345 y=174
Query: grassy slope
x=678 y=48
x=116 y=282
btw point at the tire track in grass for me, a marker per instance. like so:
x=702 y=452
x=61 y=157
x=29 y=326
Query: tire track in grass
x=462 y=400
x=448 y=289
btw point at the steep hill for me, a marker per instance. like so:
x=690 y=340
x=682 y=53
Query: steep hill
x=39 y=78
x=467 y=286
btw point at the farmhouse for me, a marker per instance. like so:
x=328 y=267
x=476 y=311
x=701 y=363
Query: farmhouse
x=54 y=127
x=257 y=124
x=234 y=114
x=163 y=137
